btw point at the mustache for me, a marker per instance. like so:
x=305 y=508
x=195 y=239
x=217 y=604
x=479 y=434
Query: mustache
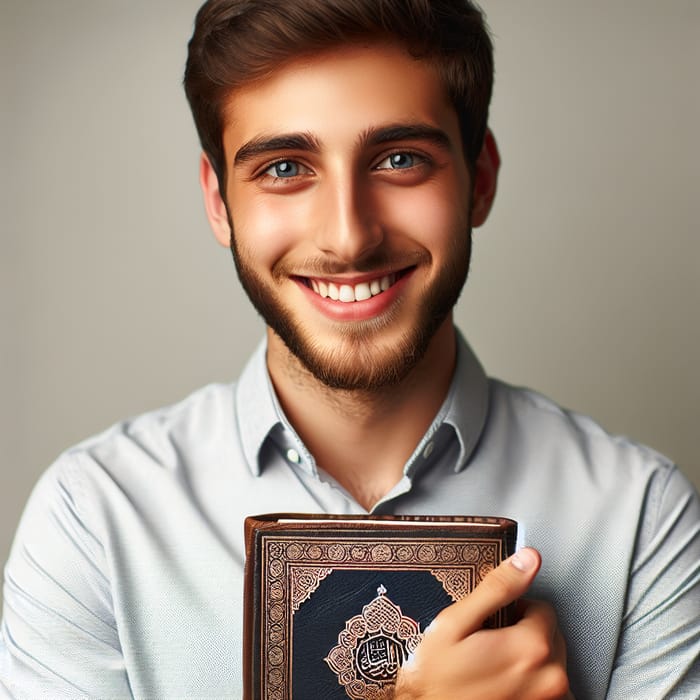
x=324 y=265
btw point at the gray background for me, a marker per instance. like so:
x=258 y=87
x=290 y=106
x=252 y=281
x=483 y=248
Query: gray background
x=116 y=299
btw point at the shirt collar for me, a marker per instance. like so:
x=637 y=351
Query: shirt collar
x=467 y=404
x=465 y=408
x=256 y=407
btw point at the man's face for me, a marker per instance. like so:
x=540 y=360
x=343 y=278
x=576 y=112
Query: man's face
x=350 y=198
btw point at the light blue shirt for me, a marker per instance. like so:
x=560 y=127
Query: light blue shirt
x=125 y=578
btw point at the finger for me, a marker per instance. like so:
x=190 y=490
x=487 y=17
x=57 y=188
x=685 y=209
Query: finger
x=538 y=615
x=499 y=588
x=538 y=625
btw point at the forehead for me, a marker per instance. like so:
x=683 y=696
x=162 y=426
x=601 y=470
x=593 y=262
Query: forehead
x=340 y=92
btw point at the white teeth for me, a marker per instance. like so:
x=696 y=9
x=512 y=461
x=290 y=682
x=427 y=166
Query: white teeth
x=362 y=292
x=348 y=293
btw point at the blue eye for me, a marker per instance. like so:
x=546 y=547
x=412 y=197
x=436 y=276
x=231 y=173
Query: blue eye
x=397 y=161
x=283 y=169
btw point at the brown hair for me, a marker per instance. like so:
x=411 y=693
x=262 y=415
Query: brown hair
x=238 y=41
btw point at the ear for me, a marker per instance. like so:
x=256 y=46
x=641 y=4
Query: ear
x=485 y=179
x=214 y=202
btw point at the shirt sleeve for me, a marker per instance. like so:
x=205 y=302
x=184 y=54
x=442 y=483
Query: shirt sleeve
x=59 y=637
x=658 y=653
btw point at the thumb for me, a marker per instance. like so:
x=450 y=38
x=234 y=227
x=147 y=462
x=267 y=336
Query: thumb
x=500 y=587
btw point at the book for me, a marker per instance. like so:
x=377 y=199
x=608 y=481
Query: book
x=335 y=604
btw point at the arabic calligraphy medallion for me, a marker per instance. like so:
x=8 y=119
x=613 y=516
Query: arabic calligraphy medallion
x=371 y=649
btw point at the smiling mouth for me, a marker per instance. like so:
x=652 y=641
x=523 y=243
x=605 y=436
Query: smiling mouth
x=348 y=293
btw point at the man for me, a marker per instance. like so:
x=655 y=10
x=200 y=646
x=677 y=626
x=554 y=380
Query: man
x=346 y=158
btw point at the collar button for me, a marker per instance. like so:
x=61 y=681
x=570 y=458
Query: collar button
x=293 y=456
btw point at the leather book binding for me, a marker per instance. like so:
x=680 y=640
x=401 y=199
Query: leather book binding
x=335 y=604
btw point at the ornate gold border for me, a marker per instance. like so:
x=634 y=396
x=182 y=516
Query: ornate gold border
x=293 y=569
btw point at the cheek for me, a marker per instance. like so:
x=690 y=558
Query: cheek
x=432 y=216
x=266 y=227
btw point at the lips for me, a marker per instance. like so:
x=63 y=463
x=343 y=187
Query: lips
x=349 y=293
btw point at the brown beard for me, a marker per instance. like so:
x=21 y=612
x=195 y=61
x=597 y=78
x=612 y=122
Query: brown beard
x=360 y=363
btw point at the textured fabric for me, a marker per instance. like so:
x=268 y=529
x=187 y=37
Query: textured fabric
x=125 y=578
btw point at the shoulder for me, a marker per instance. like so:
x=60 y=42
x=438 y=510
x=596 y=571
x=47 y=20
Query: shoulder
x=569 y=458
x=201 y=409
x=156 y=448
x=563 y=442
x=156 y=435
x=539 y=415
x=140 y=479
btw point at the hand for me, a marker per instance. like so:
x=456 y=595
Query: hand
x=457 y=659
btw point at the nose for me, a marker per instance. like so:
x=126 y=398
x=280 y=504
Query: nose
x=348 y=228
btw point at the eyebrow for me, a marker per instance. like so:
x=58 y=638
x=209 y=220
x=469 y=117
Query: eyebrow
x=406 y=132
x=261 y=145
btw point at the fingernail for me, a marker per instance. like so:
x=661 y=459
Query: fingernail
x=524 y=560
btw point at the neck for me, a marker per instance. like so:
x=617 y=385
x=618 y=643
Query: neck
x=373 y=432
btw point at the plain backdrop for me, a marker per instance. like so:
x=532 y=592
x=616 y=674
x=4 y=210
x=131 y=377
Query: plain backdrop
x=115 y=299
